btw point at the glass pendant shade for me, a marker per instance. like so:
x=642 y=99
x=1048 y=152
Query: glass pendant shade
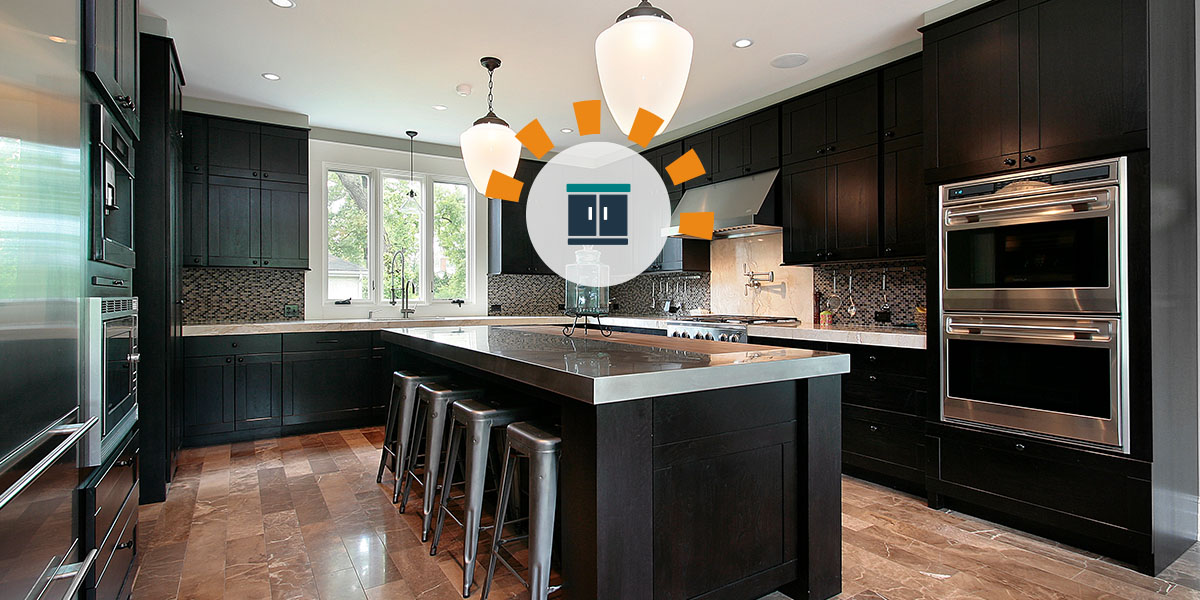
x=488 y=147
x=643 y=62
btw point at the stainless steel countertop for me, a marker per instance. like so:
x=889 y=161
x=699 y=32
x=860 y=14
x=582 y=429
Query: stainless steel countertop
x=628 y=366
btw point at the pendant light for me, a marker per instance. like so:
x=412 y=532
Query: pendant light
x=644 y=60
x=490 y=144
x=411 y=178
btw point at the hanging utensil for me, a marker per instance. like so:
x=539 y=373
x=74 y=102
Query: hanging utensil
x=884 y=314
x=833 y=302
x=852 y=309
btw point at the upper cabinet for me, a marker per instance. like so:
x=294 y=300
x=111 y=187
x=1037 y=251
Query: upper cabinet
x=746 y=146
x=840 y=118
x=702 y=144
x=245 y=195
x=110 y=54
x=905 y=195
x=1027 y=83
x=510 y=251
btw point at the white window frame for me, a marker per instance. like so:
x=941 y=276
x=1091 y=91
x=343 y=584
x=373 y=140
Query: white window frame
x=378 y=294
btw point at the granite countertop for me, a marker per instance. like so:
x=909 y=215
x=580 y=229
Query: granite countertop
x=626 y=366
x=896 y=337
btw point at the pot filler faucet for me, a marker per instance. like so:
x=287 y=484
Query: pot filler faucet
x=405 y=284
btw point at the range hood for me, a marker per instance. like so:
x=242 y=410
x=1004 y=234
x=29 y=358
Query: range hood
x=734 y=204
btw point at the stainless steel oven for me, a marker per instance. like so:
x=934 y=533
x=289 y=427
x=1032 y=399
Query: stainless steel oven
x=1049 y=241
x=110 y=373
x=1063 y=377
x=112 y=190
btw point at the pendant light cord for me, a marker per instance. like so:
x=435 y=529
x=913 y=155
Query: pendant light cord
x=411 y=171
x=490 y=84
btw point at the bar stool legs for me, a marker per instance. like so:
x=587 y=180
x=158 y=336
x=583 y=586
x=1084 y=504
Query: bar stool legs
x=435 y=399
x=397 y=443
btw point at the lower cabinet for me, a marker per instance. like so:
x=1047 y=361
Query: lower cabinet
x=109 y=513
x=245 y=387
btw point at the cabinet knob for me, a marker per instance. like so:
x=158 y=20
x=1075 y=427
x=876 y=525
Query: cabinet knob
x=820 y=151
x=196 y=260
x=872 y=358
x=831 y=149
x=228 y=360
x=887 y=250
x=124 y=463
x=195 y=167
x=254 y=262
x=1029 y=158
x=829 y=254
x=266 y=262
x=254 y=173
x=235 y=344
x=1010 y=161
x=889 y=134
x=266 y=175
x=1020 y=447
x=125 y=545
x=179 y=302
x=873 y=428
x=872 y=378
x=241 y=359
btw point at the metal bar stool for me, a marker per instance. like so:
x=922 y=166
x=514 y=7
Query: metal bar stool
x=474 y=421
x=433 y=408
x=398 y=429
x=540 y=443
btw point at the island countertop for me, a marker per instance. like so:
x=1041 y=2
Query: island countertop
x=627 y=366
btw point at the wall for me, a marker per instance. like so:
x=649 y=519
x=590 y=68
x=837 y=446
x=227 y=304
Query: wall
x=542 y=294
x=229 y=295
x=789 y=296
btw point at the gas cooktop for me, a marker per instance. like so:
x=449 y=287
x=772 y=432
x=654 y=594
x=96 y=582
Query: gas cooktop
x=736 y=319
x=723 y=328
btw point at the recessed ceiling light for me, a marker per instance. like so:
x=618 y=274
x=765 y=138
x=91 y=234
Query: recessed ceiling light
x=439 y=107
x=463 y=89
x=743 y=43
x=270 y=77
x=567 y=130
x=58 y=40
x=284 y=3
x=790 y=60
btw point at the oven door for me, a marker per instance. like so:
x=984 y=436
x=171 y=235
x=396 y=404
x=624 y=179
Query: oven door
x=1050 y=253
x=120 y=370
x=1061 y=377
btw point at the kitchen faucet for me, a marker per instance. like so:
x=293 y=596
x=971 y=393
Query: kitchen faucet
x=405 y=284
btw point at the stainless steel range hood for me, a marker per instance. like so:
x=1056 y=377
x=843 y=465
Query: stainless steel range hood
x=733 y=204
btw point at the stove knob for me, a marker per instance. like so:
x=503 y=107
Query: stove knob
x=733 y=337
x=723 y=337
x=708 y=336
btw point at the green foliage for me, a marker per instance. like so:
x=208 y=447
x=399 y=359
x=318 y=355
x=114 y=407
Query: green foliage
x=450 y=240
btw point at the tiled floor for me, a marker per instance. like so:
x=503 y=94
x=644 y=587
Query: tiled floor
x=302 y=517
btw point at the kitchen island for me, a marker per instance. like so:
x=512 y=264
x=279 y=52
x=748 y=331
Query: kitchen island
x=689 y=468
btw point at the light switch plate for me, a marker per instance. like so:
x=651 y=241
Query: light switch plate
x=291 y=310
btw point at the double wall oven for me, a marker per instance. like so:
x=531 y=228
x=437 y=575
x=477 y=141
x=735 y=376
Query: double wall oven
x=1033 y=329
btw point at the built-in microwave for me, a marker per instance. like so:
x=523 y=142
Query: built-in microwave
x=112 y=168
x=1061 y=377
x=1049 y=241
x=110 y=374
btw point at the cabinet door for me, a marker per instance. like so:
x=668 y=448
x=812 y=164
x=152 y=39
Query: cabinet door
x=804 y=190
x=233 y=148
x=667 y=155
x=762 y=141
x=852 y=114
x=208 y=392
x=101 y=30
x=971 y=70
x=284 y=154
x=527 y=171
x=685 y=255
x=852 y=204
x=728 y=151
x=194 y=222
x=284 y=225
x=703 y=145
x=905 y=197
x=258 y=391
x=508 y=240
x=329 y=386
x=1083 y=79
x=803 y=128
x=902 y=110
x=128 y=63
x=195 y=143
x=233 y=222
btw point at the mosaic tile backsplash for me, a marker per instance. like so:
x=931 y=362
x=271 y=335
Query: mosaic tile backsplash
x=905 y=290
x=230 y=295
x=641 y=296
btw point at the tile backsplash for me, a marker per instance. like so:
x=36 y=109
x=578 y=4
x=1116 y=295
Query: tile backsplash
x=232 y=295
x=905 y=289
x=542 y=294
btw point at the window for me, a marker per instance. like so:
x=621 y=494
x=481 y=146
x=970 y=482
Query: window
x=387 y=229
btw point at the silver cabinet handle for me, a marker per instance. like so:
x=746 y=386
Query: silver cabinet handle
x=75 y=431
x=135 y=357
x=77 y=575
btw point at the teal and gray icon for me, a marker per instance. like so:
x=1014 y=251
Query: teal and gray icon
x=598 y=214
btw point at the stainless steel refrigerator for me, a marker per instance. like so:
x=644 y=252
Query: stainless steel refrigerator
x=42 y=258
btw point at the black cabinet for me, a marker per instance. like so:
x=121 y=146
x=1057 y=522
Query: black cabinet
x=661 y=157
x=905 y=198
x=902 y=109
x=1026 y=84
x=804 y=188
x=257 y=391
x=110 y=55
x=746 y=146
x=208 y=397
x=108 y=507
x=245 y=194
x=510 y=250
x=840 y=118
x=331 y=385
x=702 y=144
x=831 y=207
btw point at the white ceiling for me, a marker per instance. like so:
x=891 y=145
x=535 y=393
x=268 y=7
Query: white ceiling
x=378 y=66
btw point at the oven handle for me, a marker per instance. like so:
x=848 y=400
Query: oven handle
x=1054 y=328
x=1084 y=199
x=76 y=431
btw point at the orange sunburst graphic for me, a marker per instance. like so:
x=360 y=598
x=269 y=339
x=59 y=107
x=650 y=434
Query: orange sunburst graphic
x=587 y=122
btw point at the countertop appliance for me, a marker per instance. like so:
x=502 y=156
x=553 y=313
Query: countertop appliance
x=110 y=344
x=722 y=328
x=1033 y=334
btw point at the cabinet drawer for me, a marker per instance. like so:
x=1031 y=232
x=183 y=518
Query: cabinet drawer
x=883 y=436
x=881 y=359
x=324 y=341
x=114 y=486
x=117 y=552
x=231 y=344
x=886 y=392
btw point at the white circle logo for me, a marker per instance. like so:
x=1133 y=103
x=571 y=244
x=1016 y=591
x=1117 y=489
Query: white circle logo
x=602 y=197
